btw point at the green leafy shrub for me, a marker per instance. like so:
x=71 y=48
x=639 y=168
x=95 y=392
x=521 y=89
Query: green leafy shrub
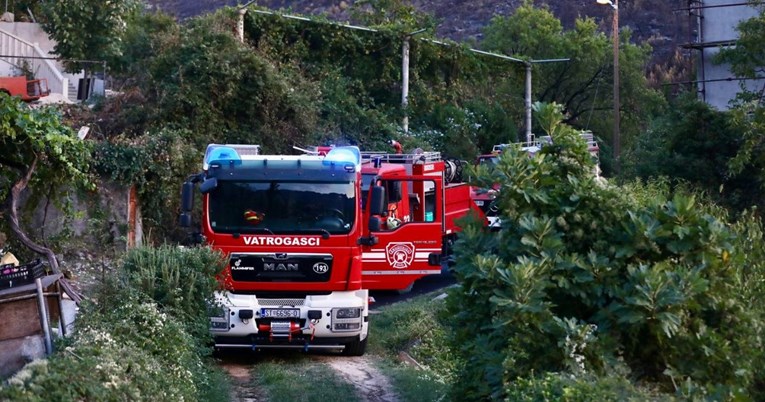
x=570 y=388
x=581 y=276
x=180 y=280
x=127 y=351
x=143 y=337
x=156 y=162
x=694 y=143
x=417 y=327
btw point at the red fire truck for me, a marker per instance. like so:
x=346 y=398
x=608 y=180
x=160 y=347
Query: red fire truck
x=484 y=198
x=307 y=236
x=423 y=199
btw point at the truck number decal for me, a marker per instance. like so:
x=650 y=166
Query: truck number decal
x=400 y=255
x=280 y=241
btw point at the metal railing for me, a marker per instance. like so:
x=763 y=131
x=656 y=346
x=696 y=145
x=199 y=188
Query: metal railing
x=15 y=51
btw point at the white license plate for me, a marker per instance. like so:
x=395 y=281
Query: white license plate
x=280 y=313
x=479 y=203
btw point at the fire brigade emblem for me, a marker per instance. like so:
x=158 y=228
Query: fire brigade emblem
x=400 y=255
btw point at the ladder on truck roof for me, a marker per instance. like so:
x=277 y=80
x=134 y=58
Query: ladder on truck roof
x=409 y=159
x=539 y=142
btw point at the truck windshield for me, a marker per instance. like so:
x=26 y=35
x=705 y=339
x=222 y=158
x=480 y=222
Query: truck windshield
x=274 y=207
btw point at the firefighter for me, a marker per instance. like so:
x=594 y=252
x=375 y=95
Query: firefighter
x=253 y=217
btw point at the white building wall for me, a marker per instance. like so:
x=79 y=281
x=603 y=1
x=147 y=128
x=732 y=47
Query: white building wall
x=28 y=31
x=33 y=33
x=718 y=24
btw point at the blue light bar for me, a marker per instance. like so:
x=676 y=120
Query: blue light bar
x=349 y=157
x=223 y=155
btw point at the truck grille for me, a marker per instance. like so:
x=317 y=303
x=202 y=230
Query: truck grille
x=281 y=302
x=282 y=267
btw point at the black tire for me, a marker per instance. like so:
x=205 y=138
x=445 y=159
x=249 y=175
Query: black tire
x=356 y=348
x=406 y=289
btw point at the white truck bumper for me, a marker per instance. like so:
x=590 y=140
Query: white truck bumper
x=313 y=322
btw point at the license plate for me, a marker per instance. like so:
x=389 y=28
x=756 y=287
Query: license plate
x=479 y=203
x=280 y=313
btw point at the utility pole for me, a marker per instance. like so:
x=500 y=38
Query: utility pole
x=405 y=79
x=617 y=102
x=405 y=84
x=529 y=135
x=616 y=139
x=240 y=21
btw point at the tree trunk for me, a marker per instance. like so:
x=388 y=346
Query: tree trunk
x=13 y=221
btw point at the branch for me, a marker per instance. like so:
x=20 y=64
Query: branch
x=584 y=87
x=558 y=82
x=13 y=222
x=572 y=117
x=12 y=164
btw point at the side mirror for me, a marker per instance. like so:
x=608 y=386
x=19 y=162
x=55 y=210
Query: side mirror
x=374 y=224
x=185 y=220
x=208 y=185
x=395 y=191
x=187 y=197
x=377 y=201
x=434 y=259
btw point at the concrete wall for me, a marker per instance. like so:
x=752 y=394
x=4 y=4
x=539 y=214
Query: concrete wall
x=717 y=25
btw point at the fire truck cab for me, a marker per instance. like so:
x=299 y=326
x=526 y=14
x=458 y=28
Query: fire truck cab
x=415 y=203
x=288 y=226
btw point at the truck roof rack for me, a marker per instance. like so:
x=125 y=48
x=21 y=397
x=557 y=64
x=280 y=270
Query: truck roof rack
x=536 y=144
x=420 y=157
x=242 y=151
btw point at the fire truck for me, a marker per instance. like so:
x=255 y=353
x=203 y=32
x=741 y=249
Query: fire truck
x=307 y=236
x=423 y=199
x=484 y=198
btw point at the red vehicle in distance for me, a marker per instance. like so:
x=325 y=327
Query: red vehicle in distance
x=484 y=198
x=27 y=90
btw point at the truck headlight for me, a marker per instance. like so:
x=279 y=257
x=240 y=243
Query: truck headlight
x=343 y=313
x=220 y=318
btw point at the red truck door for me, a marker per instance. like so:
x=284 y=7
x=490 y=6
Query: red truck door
x=410 y=240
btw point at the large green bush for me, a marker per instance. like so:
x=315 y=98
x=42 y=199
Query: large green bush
x=582 y=277
x=126 y=351
x=156 y=162
x=180 y=280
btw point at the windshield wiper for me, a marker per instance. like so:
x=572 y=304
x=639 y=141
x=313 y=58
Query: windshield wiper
x=256 y=230
x=324 y=232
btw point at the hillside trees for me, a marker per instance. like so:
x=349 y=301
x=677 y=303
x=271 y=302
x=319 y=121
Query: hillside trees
x=693 y=143
x=747 y=60
x=584 y=279
x=451 y=94
x=87 y=29
x=582 y=85
x=718 y=152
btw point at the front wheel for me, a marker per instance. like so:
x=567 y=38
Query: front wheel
x=356 y=348
x=405 y=290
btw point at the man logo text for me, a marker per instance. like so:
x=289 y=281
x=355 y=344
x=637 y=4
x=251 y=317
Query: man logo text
x=279 y=267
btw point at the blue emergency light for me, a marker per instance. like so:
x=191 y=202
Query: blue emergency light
x=223 y=155
x=348 y=157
